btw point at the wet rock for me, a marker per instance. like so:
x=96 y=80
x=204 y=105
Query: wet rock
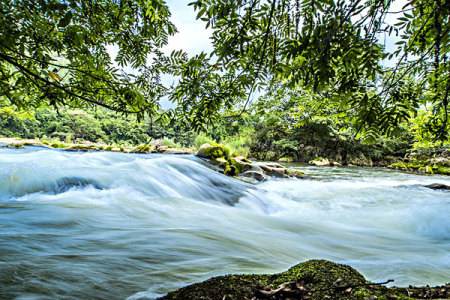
x=242 y=164
x=286 y=159
x=320 y=162
x=212 y=151
x=143 y=148
x=313 y=280
x=295 y=173
x=442 y=161
x=438 y=186
x=258 y=176
x=76 y=147
x=218 y=155
x=360 y=160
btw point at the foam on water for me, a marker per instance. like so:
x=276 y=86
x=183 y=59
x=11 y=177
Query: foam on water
x=110 y=225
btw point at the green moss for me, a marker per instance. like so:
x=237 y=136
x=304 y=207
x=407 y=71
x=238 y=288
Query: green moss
x=82 y=147
x=286 y=159
x=422 y=166
x=295 y=173
x=57 y=145
x=143 y=148
x=321 y=280
x=213 y=151
x=443 y=170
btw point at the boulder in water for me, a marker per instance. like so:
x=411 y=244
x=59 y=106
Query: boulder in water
x=241 y=163
x=273 y=169
x=258 y=176
x=295 y=173
x=213 y=151
x=438 y=186
x=320 y=162
x=313 y=280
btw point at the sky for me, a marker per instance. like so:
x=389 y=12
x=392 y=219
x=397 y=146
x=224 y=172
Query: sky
x=194 y=38
x=192 y=35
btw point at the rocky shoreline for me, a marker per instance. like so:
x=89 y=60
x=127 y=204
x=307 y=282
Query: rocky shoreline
x=313 y=280
x=426 y=162
x=154 y=147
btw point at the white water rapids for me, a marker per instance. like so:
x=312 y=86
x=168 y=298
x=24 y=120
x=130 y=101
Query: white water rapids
x=104 y=225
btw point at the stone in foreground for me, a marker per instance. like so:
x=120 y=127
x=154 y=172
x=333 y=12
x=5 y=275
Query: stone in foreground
x=313 y=280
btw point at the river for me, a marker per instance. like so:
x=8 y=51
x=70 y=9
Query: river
x=102 y=225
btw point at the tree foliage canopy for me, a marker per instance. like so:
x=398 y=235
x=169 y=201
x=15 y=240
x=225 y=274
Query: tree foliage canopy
x=57 y=51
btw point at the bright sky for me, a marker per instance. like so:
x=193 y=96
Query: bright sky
x=192 y=35
x=194 y=38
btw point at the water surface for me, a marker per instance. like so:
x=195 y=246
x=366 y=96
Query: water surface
x=116 y=226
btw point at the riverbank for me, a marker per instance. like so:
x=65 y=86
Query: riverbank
x=313 y=280
x=425 y=161
x=154 y=147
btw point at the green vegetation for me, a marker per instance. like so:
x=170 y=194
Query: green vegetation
x=287 y=80
x=327 y=85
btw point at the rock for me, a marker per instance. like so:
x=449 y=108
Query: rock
x=360 y=160
x=241 y=163
x=438 y=186
x=442 y=161
x=313 y=280
x=76 y=147
x=212 y=151
x=15 y=146
x=295 y=173
x=143 y=148
x=259 y=176
x=421 y=167
x=320 y=162
x=286 y=159
x=220 y=161
x=161 y=148
x=273 y=169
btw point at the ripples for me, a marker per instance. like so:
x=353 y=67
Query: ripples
x=110 y=225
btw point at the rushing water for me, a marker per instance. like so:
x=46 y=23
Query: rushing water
x=116 y=226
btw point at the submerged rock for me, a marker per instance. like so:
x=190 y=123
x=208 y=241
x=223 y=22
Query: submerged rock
x=438 y=186
x=313 y=280
x=258 y=176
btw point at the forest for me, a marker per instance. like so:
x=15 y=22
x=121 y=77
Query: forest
x=292 y=101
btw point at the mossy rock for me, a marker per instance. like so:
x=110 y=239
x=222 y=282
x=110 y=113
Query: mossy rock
x=143 y=148
x=213 y=151
x=421 y=166
x=241 y=164
x=295 y=173
x=319 y=162
x=313 y=280
x=82 y=147
x=286 y=159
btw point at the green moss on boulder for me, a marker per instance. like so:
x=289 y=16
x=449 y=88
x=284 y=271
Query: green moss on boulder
x=143 y=148
x=213 y=151
x=313 y=280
